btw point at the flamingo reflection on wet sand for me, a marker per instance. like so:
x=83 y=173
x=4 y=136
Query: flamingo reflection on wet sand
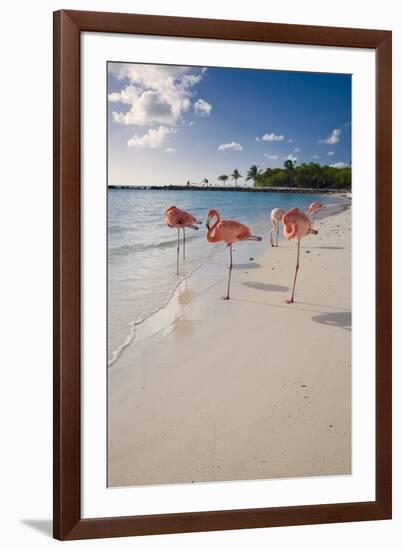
x=229 y=231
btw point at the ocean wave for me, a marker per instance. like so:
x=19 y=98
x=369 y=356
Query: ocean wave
x=125 y=249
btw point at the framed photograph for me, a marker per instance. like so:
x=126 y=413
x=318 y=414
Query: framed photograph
x=222 y=266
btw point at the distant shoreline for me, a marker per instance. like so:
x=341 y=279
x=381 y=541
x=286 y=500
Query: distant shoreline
x=240 y=189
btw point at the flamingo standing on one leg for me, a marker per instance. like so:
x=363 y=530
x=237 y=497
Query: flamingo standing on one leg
x=296 y=225
x=176 y=218
x=229 y=231
x=276 y=218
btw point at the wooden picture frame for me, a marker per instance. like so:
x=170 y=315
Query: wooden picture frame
x=68 y=523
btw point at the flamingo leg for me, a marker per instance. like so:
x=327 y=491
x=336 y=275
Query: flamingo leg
x=178 y=250
x=184 y=243
x=271 y=240
x=297 y=269
x=277 y=234
x=227 y=297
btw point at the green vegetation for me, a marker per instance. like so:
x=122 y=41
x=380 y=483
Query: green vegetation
x=254 y=174
x=223 y=178
x=236 y=175
x=303 y=176
x=311 y=175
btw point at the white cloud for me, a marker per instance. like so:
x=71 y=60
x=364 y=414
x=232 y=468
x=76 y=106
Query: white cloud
x=127 y=95
x=170 y=150
x=297 y=150
x=154 y=138
x=232 y=145
x=338 y=165
x=151 y=107
x=330 y=153
x=155 y=94
x=272 y=157
x=271 y=137
x=290 y=140
x=316 y=156
x=292 y=158
x=333 y=138
x=191 y=123
x=202 y=107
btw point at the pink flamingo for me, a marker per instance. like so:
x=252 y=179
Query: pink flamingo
x=313 y=209
x=276 y=218
x=229 y=231
x=296 y=225
x=174 y=217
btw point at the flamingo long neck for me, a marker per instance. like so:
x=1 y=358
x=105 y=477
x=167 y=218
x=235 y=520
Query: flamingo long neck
x=211 y=230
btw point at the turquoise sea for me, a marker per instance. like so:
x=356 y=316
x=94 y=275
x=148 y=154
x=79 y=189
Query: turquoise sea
x=142 y=249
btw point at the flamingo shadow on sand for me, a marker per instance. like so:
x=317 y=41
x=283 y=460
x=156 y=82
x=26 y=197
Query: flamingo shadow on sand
x=342 y=319
x=266 y=287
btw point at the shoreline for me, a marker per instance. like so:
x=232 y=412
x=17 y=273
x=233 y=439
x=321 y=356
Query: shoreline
x=162 y=398
x=304 y=190
x=332 y=210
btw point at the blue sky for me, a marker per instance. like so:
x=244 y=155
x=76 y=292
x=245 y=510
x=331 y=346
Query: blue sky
x=170 y=124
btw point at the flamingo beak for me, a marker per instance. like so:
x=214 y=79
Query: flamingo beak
x=207 y=223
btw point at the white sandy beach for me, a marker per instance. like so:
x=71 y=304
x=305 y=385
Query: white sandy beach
x=251 y=388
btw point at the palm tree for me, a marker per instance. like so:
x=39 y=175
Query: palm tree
x=205 y=180
x=236 y=175
x=253 y=174
x=223 y=178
